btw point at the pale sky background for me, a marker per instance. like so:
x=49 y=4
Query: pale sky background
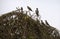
x=49 y=9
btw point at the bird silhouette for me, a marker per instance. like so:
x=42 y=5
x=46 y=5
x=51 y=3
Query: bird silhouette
x=42 y=22
x=21 y=9
x=29 y=8
x=37 y=12
x=46 y=22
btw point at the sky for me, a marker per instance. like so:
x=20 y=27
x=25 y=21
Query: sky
x=49 y=9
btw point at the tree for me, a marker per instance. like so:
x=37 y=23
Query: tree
x=17 y=25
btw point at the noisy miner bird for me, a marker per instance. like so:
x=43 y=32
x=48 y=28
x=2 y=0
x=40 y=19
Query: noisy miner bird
x=29 y=8
x=21 y=9
x=42 y=22
x=46 y=22
x=37 y=12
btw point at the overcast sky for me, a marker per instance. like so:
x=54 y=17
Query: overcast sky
x=49 y=9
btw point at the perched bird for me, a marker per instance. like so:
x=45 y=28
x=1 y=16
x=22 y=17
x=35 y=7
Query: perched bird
x=29 y=8
x=42 y=22
x=21 y=9
x=46 y=22
x=37 y=12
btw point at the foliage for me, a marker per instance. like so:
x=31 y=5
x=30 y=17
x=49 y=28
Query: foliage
x=17 y=25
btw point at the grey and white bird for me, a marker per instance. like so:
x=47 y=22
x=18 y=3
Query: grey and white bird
x=46 y=22
x=37 y=12
x=29 y=8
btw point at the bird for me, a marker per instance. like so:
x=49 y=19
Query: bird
x=42 y=22
x=37 y=12
x=29 y=8
x=21 y=9
x=46 y=22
